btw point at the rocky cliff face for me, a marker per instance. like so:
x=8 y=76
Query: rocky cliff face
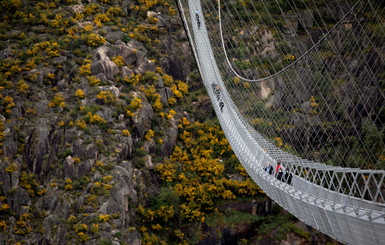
x=79 y=134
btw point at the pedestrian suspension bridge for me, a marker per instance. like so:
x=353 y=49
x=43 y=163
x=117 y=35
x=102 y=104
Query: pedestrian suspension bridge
x=302 y=83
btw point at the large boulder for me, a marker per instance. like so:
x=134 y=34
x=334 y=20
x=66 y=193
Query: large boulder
x=69 y=168
x=104 y=53
x=170 y=140
x=85 y=151
x=107 y=67
x=114 y=36
x=125 y=146
x=126 y=72
x=37 y=146
x=20 y=201
x=142 y=120
x=146 y=66
x=85 y=167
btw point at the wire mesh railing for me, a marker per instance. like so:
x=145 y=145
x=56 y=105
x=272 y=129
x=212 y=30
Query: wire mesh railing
x=327 y=191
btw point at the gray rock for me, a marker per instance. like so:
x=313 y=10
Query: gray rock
x=85 y=151
x=5 y=179
x=85 y=167
x=164 y=96
x=114 y=36
x=69 y=168
x=107 y=67
x=146 y=66
x=267 y=87
x=114 y=90
x=135 y=238
x=104 y=53
x=266 y=37
x=58 y=60
x=15 y=179
x=126 y=72
x=102 y=77
x=37 y=146
x=126 y=148
x=136 y=45
x=159 y=82
x=50 y=202
x=9 y=147
x=109 y=207
x=148 y=162
x=142 y=122
x=63 y=206
x=21 y=201
x=122 y=49
x=107 y=113
x=135 y=57
x=124 y=192
x=70 y=135
x=50 y=224
x=274 y=102
x=177 y=66
x=150 y=146
x=170 y=140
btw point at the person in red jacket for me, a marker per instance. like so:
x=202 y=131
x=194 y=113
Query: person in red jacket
x=279 y=167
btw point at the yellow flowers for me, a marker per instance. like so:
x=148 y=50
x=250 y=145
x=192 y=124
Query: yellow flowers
x=119 y=60
x=167 y=80
x=136 y=103
x=104 y=217
x=236 y=80
x=278 y=142
x=106 y=96
x=88 y=28
x=4 y=207
x=44 y=49
x=101 y=18
x=93 y=80
x=183 y=87
x=133 y=79
x=81 y=124
x=58 y=101
x=22 y=86
x=91 y=9
x=314 y=105
x=85 y=69
x=126 y=132
x=184 y=122
x=289 y=57
x=93 y=39
x=3 y=225
x=11 y=168
x=149 y=135
x=95 y=119
x=68 y=184
x=79 y=93
x=167 y=171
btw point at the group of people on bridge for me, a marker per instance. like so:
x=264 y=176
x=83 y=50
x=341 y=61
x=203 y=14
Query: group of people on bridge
x=287 y=177
x=197 y=17
x=217 y=91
